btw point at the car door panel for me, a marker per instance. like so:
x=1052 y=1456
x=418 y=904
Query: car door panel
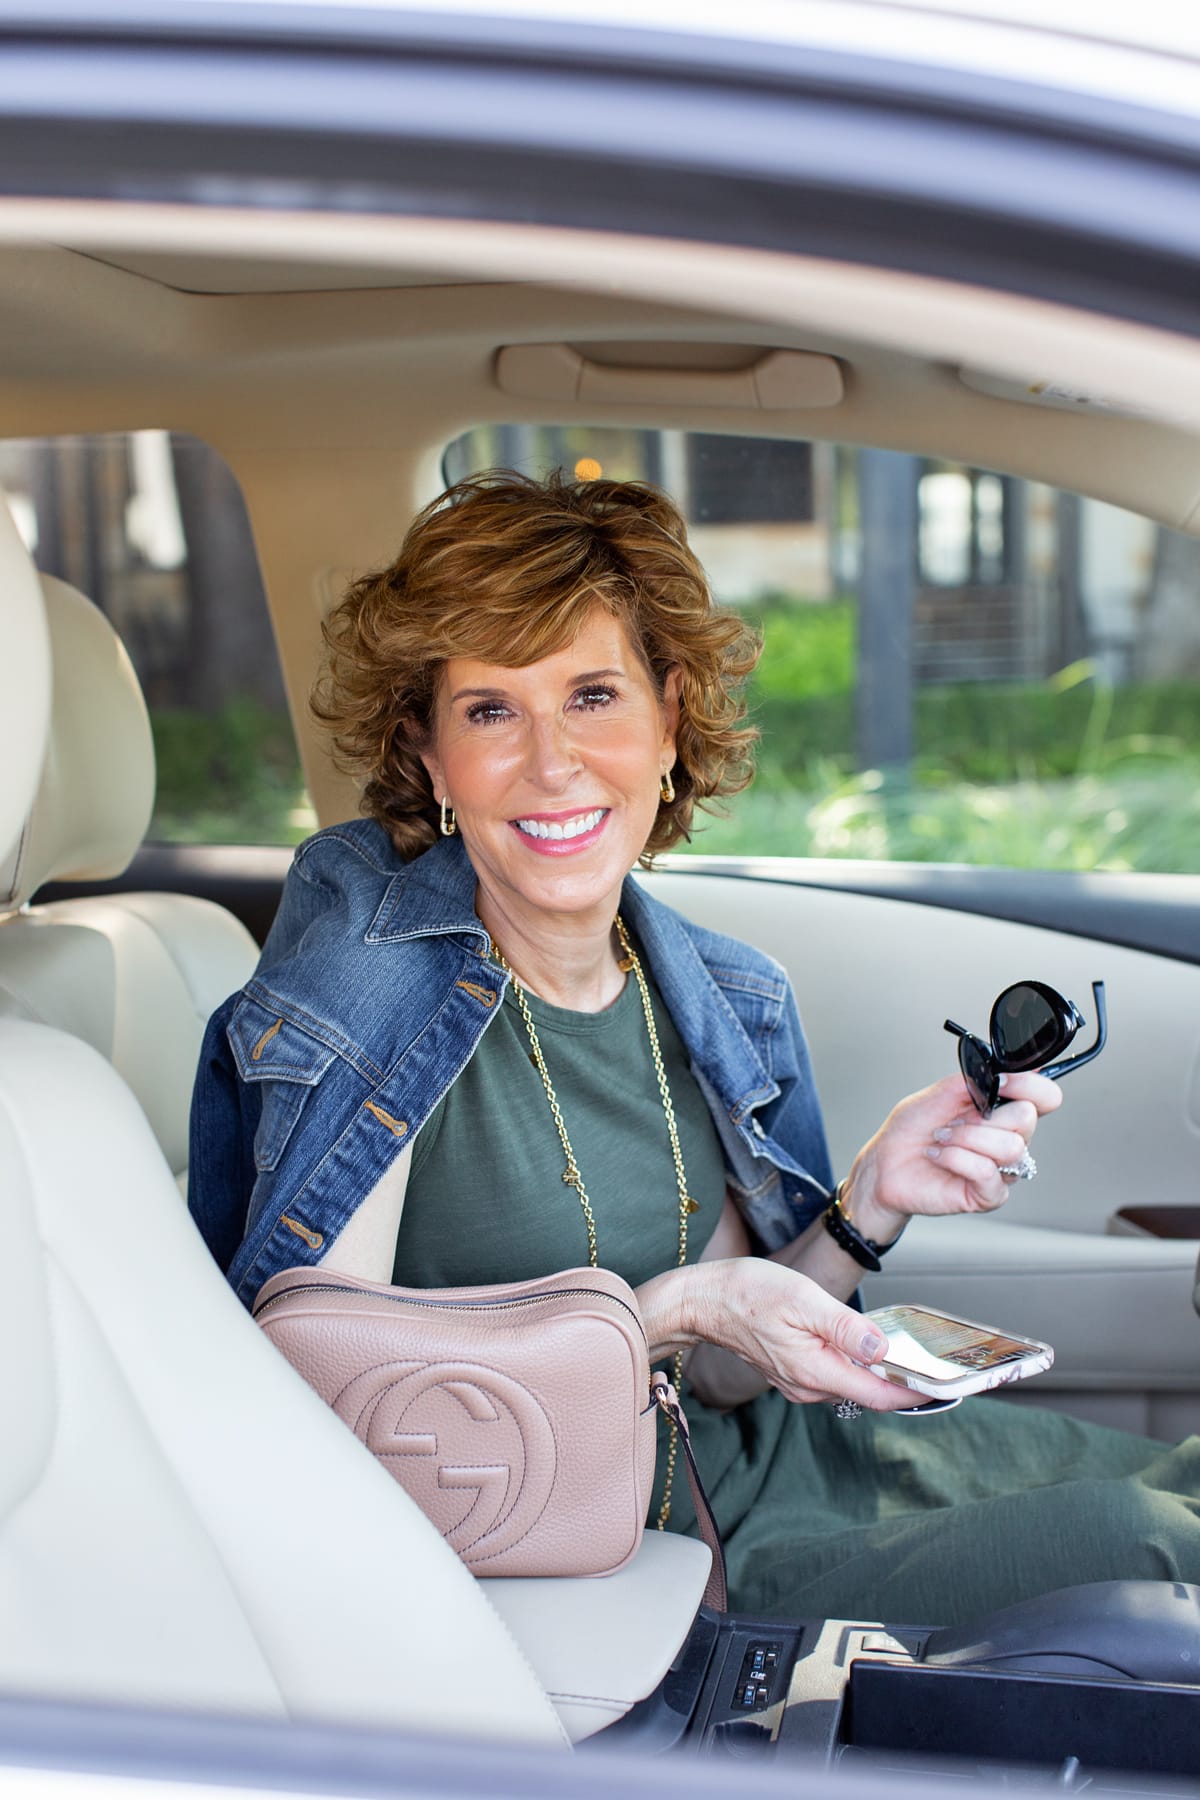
x=875 y=977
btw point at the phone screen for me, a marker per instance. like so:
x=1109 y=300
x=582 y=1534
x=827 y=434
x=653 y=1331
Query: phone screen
x=940 y=1348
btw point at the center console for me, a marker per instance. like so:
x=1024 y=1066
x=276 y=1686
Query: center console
x=839 y=1690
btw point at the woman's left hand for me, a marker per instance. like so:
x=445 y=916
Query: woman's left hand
x=935 y=1154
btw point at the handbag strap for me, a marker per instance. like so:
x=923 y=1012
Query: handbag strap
x=715 y=1590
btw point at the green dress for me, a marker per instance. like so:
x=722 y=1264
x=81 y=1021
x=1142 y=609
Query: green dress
x=920 y=1520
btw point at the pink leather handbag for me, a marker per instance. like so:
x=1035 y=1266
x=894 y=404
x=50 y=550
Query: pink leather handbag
x=521 y=1418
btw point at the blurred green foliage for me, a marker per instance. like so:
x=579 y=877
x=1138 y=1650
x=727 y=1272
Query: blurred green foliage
x=802 y=700
x=808 y=648
x=1068 y=773
x=230 y=777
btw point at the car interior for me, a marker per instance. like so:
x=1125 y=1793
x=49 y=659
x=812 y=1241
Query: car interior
x=330 y=360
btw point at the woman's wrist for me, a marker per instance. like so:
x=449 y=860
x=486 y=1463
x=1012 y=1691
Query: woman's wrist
x=694 y=1305
x=870 y=1217
x=670 y=1309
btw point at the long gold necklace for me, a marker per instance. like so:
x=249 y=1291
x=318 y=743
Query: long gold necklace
x=572 y=1177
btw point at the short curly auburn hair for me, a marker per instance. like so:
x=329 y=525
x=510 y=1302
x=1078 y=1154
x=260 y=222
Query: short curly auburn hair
x=506 y=569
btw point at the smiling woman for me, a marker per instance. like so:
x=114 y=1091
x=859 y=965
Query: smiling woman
x=476 y=1051
x=545 y=770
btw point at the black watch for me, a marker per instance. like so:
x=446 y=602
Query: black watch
x=865 y=1251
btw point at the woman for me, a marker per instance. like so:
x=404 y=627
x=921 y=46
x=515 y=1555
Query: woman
x=474 y=1050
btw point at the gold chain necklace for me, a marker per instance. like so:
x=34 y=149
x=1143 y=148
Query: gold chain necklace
x=572 y=1177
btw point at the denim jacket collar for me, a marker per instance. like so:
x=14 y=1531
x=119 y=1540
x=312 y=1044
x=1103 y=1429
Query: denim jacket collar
x=433 y=896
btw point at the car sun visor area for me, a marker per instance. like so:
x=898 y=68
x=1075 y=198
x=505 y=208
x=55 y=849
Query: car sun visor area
x=768 y=381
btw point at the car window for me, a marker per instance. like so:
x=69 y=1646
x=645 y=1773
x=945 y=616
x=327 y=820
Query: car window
x=152 y=527
x=959 y=666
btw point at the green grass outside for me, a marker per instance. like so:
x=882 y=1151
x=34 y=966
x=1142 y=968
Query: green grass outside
x=1120 y=821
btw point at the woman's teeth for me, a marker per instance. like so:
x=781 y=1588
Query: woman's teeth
x=569 y=828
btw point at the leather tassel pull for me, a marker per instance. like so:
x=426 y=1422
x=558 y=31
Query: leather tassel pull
x=716 y=1588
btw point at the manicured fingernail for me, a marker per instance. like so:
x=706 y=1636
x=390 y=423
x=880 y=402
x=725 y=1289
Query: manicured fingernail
x=932 y=1151
x=943 y=1134
x=872 y=1346
x=1004 y=1081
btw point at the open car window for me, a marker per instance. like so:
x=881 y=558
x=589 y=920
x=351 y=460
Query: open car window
x=152 y=527
x=959 y=666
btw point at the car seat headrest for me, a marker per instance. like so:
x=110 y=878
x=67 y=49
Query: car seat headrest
x=24 y=689
x=93 y=804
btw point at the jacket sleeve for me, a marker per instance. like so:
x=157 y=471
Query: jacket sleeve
x=226 y=1111
x=305 y=898
x=794 y=1119
x=224 y=1120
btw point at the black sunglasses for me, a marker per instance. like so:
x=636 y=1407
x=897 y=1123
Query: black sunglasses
x=1031 y=1024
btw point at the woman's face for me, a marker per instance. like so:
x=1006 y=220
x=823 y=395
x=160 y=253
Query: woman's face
x=553 y=770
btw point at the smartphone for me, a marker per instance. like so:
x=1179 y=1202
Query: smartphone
x=936 y=1354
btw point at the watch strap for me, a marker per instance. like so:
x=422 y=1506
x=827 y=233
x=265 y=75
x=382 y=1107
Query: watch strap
x=865 y=1251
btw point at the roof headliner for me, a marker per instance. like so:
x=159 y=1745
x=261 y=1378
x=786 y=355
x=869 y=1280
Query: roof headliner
x=244 y=329
x=333 y=406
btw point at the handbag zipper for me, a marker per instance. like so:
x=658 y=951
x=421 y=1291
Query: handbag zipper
x=335 y=1287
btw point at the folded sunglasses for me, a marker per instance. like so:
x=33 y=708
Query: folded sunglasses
x=1031 y=1025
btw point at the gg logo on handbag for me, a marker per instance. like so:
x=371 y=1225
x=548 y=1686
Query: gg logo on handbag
x=520 y=1417
x=558 y=1480
x=476 y=1446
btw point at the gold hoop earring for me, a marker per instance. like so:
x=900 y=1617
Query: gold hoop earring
x=666 y=787
x=449 y=822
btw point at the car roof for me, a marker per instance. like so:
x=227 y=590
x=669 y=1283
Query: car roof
x=1072 y=44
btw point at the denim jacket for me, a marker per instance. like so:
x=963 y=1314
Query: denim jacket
x=370 y=997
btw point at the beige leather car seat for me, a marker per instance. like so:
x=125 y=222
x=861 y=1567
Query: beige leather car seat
x=134 y=975
x=182 y=1522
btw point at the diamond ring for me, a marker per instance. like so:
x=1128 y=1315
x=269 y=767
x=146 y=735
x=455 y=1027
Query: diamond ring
x=1025 y=1170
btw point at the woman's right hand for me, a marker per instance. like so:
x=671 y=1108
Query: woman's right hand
x=799 y=1338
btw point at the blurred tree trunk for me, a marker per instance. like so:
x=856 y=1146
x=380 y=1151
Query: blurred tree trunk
x=887 y=507
x=1073 y=642
x=1169 y=640
x=231 y=648
x=64 y=489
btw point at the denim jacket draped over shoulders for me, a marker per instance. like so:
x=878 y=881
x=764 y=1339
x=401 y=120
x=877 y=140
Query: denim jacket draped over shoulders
x=370 y=997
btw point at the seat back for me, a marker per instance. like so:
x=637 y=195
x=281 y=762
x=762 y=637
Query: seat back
x=24 y=692
x=134 y=975
x=182 y=1522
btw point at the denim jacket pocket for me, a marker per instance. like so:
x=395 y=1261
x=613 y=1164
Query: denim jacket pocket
x=287 y=1063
